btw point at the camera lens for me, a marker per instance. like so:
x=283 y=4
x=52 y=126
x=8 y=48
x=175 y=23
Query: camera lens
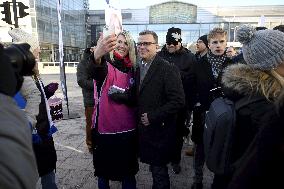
x=21 y=58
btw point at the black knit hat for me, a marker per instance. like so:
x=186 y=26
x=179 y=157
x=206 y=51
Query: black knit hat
x=173 y=36
x=204 y=39
x=280 y=28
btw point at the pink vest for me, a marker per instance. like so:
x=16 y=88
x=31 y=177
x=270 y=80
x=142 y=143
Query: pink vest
x=113 y=117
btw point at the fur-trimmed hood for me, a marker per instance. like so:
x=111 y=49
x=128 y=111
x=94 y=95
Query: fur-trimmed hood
x=244 y=80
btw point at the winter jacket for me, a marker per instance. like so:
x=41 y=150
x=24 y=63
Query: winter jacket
x=184 y=60
x=45 y=151
x=160 y=95
x=202 y=81
x=254 y=125
x=114 y=122
x=17 y=162
x=85 y=79
x=113 y=117
x=32 y=96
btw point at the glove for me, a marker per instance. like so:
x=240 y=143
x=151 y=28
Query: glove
x=52 y=87
x=120 y=98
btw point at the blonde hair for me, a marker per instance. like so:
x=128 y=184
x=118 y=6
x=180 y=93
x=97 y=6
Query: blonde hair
x=270 y=84
x=131 y=45
x=216 y=31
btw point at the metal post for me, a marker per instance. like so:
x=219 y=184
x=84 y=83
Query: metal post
x=15 y=13
x=229 y=30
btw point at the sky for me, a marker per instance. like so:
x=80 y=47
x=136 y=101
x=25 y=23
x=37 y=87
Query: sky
x=136 y=4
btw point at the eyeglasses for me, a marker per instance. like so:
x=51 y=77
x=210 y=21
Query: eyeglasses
x=145 y=43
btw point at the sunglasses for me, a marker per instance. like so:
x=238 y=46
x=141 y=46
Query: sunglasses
x=172 y=43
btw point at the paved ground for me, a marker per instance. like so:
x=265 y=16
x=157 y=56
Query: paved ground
x=74 y=166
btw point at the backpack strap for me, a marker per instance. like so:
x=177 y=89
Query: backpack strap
x=247 y=100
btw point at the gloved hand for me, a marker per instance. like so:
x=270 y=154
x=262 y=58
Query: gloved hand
x=52 y=87
x=120 y=98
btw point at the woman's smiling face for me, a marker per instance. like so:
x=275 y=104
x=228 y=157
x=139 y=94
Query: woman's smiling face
x=122 y=47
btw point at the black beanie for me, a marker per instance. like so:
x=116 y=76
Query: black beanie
x=204 y=39
x=173 y=36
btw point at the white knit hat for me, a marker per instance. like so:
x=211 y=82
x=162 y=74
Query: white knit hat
x=20 y=36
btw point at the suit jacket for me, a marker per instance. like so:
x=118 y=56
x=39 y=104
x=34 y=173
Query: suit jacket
x=160 y=95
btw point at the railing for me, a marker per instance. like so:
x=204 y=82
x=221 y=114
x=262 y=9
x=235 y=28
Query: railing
x=67 y=64
x=54 y=68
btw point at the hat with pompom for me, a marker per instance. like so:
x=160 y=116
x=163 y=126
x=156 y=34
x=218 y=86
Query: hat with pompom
x=263 y=49
x=20 y=36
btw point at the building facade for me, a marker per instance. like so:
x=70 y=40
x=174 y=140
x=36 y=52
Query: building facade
x=42 y=22
x=194 y=21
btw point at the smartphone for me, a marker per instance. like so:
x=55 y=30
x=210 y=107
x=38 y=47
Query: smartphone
x=107 y=31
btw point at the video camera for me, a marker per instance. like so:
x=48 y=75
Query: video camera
x=16 y=61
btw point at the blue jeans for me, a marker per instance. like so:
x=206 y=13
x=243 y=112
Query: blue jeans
x=48 y=181
x=127 y=183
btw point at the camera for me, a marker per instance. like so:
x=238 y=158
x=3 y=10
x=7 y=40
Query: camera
x=22 y=60
x=16 y=61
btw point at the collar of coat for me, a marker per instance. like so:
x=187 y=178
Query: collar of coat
x=245 y=80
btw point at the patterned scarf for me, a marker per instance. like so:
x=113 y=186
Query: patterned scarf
x=216 y=63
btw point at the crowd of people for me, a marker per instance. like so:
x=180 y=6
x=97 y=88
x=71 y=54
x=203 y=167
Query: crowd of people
x=138 y=103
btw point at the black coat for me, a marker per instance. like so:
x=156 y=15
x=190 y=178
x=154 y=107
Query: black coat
x=160 y=96
x=85 y=79
x=261 y=165
x=202 y=81
x=183 y=59
x=44 y=151
x=258 y=140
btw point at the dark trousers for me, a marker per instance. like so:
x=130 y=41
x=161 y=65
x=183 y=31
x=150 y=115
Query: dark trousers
x=197 y=137
x=127 y=183
x=89 y=113
x=160 y=175
x=221 y=181
x=176 y=157
x=198 y=162
x=181 y=131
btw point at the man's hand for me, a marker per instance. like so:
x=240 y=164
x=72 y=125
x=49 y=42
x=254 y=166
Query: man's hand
x=104 y=46
x=144 y=119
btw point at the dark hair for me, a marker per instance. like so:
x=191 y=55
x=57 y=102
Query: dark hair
x=146 y=32
x=260 y=28
x=279 y=27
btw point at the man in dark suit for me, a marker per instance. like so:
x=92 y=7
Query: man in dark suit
x=175 y=53
x=160 y=96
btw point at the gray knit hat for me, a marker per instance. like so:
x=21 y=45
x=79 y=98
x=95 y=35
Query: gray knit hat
x=263 y=49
